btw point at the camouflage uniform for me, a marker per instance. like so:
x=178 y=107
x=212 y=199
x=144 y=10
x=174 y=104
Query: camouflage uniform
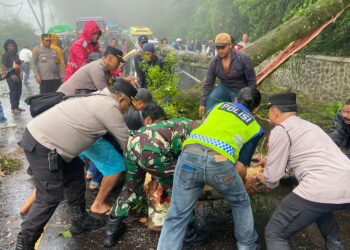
x=153 y=149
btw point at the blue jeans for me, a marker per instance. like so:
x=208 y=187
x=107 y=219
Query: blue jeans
x=26 y=70
x=220 y=93
x=3 y=119
x=96 y=175
x=193 y=171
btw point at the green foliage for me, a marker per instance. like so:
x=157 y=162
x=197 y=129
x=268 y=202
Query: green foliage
x=321 y=114
x=257 y=17
x=213 y=17
x=8 y=164
x=334 y=108
x=163 y=84
x=333 y=41
x=264 y=16
x=66 y=234
x=21 y=32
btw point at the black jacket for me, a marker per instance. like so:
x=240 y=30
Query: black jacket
x=241 y=74
x=340 y=132
x=143 y=75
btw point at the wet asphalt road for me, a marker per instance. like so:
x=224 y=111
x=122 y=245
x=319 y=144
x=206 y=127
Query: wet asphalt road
x=212 y=216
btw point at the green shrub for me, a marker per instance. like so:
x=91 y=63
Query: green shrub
x=8 y=164
x=163 y=84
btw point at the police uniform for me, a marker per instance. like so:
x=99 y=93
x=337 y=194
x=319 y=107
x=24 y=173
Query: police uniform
x=52 y=142
x=50 y=184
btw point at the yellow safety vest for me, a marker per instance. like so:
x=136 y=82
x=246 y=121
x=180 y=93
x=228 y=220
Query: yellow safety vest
x=226 y=129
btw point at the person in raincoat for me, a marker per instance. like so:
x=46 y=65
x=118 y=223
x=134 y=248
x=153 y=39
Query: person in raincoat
x=55 y=45
x=82 y=47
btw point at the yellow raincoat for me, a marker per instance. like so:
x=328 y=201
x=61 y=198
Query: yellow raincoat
x=59 y=52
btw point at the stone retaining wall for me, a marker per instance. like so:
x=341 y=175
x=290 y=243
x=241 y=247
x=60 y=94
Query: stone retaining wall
x=322 y=77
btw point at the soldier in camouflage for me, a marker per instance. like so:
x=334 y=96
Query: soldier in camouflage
x=153 y=149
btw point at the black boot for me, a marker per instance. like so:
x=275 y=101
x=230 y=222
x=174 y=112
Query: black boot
x=194 y=237
x=114 y=229
x=82 y=221
x=26 y=243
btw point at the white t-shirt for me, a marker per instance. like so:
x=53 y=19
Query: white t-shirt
x=25 y=55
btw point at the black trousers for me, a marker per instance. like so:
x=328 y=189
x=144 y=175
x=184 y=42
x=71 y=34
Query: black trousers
x=49 y=86
x=15 y=92
x=294 y=214
x=51 y=187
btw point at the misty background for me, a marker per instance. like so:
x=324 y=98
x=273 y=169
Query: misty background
x=164 y=17
x=187 y=19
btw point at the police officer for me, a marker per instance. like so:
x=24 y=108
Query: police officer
x=52 y=143
x=216 y=154
x=322 y=171
x=46 y=66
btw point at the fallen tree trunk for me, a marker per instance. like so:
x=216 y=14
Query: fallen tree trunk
x=291 y=49
x=297 y=27
x=279 y=38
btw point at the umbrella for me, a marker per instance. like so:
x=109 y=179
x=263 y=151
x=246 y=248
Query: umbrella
x=61 y=28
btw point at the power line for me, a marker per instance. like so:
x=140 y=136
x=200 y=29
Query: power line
x=19 y=10
x=11 y=5
x=36 y=17
x=52 y=19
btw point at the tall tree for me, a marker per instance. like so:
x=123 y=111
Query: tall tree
x=297 y=27
x=212 y=17
x=19 y=31
x=279 y=38
x=263 y=16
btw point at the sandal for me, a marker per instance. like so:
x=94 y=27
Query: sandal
x=93 y=186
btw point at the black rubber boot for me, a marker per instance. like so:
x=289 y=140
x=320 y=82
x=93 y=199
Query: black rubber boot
x=194 y=237
x=25 y=242
x=82 y=221
x=115 y=228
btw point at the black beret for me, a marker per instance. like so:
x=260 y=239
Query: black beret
x=285 y=102
x=114 y=51
x=125 y=87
